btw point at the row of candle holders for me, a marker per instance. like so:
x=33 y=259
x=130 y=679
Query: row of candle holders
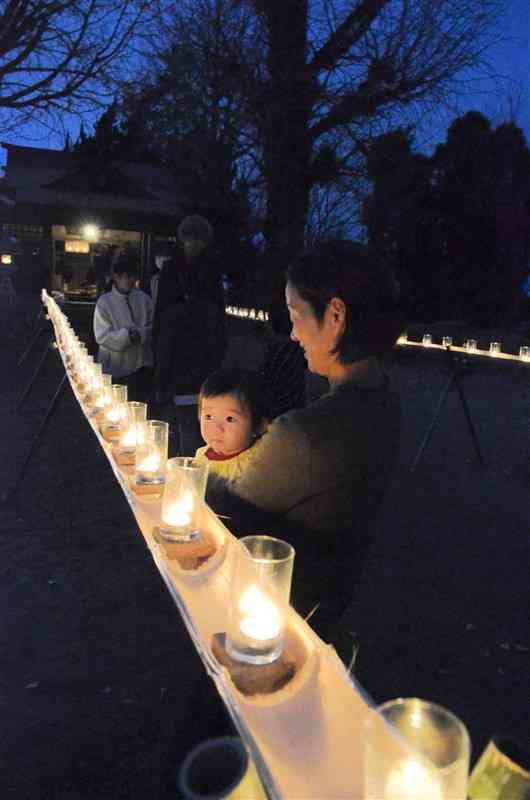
x=263 y=565
x=470 y=346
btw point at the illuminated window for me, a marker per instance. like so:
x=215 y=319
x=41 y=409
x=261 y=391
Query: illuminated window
x=76 y=246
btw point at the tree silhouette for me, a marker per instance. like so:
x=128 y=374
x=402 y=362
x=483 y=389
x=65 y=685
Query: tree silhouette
x=457 y=225
x=64 y=55
x=296 y=89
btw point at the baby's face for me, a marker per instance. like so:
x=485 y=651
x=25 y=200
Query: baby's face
x=225 y=425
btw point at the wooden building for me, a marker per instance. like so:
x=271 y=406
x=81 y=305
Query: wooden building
x=65 y=214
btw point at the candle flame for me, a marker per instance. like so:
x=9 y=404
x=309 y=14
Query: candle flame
x=129 y=438
x=412 y=781
x=179 y=513
x=113 y=414
x=260 y=617
x=149 y=464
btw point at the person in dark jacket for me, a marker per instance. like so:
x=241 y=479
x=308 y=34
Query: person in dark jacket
x=189 y=334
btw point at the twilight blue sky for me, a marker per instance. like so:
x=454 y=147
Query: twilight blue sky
x=510 y=62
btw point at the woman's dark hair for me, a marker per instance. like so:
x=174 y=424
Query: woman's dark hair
x=244 y=384
x=355 y=274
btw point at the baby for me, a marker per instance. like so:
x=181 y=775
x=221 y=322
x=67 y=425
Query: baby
x=233 y=416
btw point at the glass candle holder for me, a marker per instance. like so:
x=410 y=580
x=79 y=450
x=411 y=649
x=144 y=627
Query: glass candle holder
x=115 y=413
x=220 y=769
x=495 y=348
x=260 y=589
x=427 y=340
x=102 y=394
x=447 y=341
x=92 y=379
x=524 y=353
x=135 y=415
x=502 y=771
x=471 y=345
x=151 y=453
x=414 y=750
x=185 y=489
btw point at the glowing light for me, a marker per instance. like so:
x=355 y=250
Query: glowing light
x=260 y=618
x=179 y=514
x=91 y=232
x=149 y=464
x=412 y=781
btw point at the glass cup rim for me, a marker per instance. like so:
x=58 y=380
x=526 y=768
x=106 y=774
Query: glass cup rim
x=291 y=552
x=156 y=423
x=231 y=743
x=424 y=704
x=192 y=462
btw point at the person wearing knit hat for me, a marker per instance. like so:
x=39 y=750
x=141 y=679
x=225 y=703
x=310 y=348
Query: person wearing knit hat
x=189 y=299
x=195 y=229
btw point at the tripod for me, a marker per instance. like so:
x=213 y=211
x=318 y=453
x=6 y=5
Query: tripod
x=456 y=366
x=10 y=496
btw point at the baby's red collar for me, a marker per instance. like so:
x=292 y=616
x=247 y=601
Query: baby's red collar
x=211 y=455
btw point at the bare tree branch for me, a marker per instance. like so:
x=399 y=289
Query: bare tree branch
x=62 y=53
x=344 y=37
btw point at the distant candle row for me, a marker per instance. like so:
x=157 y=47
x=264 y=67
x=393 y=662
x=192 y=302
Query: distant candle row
x=247 y=313
x=470 y=346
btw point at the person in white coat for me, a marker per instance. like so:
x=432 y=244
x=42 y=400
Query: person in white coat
x=123 y=320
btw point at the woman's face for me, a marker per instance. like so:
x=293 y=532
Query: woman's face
x=317 y=338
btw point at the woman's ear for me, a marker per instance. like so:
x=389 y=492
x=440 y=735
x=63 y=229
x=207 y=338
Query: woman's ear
x=337 y=311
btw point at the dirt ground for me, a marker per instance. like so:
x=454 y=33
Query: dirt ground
x=101 y=691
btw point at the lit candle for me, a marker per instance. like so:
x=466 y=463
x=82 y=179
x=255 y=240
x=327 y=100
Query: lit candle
x=113 y=414
x=412 y=781
x=179 y=514
x=260 y=619
x=495 y=348
x=129 y=438
x=150 y=464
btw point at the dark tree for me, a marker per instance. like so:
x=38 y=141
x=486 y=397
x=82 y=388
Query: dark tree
x=64 y=55
x=457 y=225
x=292 y=91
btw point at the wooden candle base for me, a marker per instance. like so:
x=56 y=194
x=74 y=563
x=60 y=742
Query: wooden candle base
x=146 y=489
x=252 y=679
x=189 y=555
x=109 y=435
x=124 y=459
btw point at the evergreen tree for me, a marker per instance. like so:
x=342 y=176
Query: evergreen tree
x=456 y=225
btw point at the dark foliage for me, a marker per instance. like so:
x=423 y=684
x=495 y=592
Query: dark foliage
x=456 y=225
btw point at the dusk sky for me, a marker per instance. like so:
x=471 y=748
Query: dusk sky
x=510 y=63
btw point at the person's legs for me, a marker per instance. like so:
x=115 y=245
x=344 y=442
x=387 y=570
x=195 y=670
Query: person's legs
x=187 y=430
x=326 y=585
x=139 y=384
